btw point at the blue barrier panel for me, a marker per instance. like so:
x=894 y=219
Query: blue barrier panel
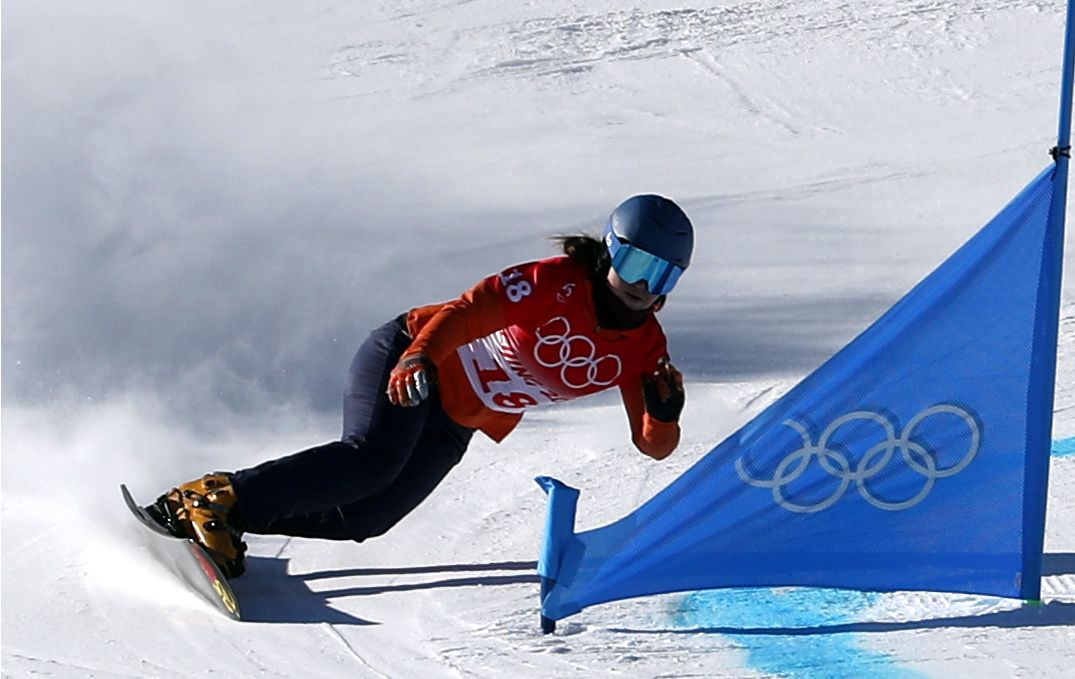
x=912 y=459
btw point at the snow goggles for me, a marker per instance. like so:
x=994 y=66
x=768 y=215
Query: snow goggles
x=634 y=264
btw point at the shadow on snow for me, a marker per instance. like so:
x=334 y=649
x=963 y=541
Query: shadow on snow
x=1053 y=614
x=268 y=593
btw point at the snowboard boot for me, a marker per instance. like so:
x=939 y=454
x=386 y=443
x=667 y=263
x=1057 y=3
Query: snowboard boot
x=200 y=510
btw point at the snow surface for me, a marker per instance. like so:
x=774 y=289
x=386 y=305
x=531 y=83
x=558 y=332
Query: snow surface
x=207 y=205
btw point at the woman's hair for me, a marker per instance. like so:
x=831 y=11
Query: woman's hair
x=586 y=250
x=592 y=254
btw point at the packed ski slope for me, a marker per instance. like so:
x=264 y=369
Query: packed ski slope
x=207 y=205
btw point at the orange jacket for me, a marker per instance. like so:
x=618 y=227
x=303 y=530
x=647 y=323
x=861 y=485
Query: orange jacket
x=529 y=336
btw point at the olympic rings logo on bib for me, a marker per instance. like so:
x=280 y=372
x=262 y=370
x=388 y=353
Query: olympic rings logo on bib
x=575 y=355
x=844 y=472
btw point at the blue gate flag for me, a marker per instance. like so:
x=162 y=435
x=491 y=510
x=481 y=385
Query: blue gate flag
x=915 y=458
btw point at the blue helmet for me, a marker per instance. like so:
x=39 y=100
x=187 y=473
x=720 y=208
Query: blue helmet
x=649 y=237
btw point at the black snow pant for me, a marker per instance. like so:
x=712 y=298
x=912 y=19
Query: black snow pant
x=390 y=458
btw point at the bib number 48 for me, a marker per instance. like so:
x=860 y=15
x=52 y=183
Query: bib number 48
x=515 y=400
x=493 y=380
x=514 y=288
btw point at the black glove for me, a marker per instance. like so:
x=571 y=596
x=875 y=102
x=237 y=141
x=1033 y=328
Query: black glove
x=664 y=393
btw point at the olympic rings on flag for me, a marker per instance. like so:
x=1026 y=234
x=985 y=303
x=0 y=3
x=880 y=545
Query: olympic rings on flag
x=836 y=464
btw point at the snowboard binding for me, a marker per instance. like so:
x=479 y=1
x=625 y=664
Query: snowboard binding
x=200 y=510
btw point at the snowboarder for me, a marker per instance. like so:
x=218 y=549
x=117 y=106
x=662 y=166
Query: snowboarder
x=420 y=385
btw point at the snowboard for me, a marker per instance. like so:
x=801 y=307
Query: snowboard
x=187 y=559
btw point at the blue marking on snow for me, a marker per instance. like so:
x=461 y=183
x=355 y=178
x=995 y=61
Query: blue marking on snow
x=1064 y=447
x=823 y=655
